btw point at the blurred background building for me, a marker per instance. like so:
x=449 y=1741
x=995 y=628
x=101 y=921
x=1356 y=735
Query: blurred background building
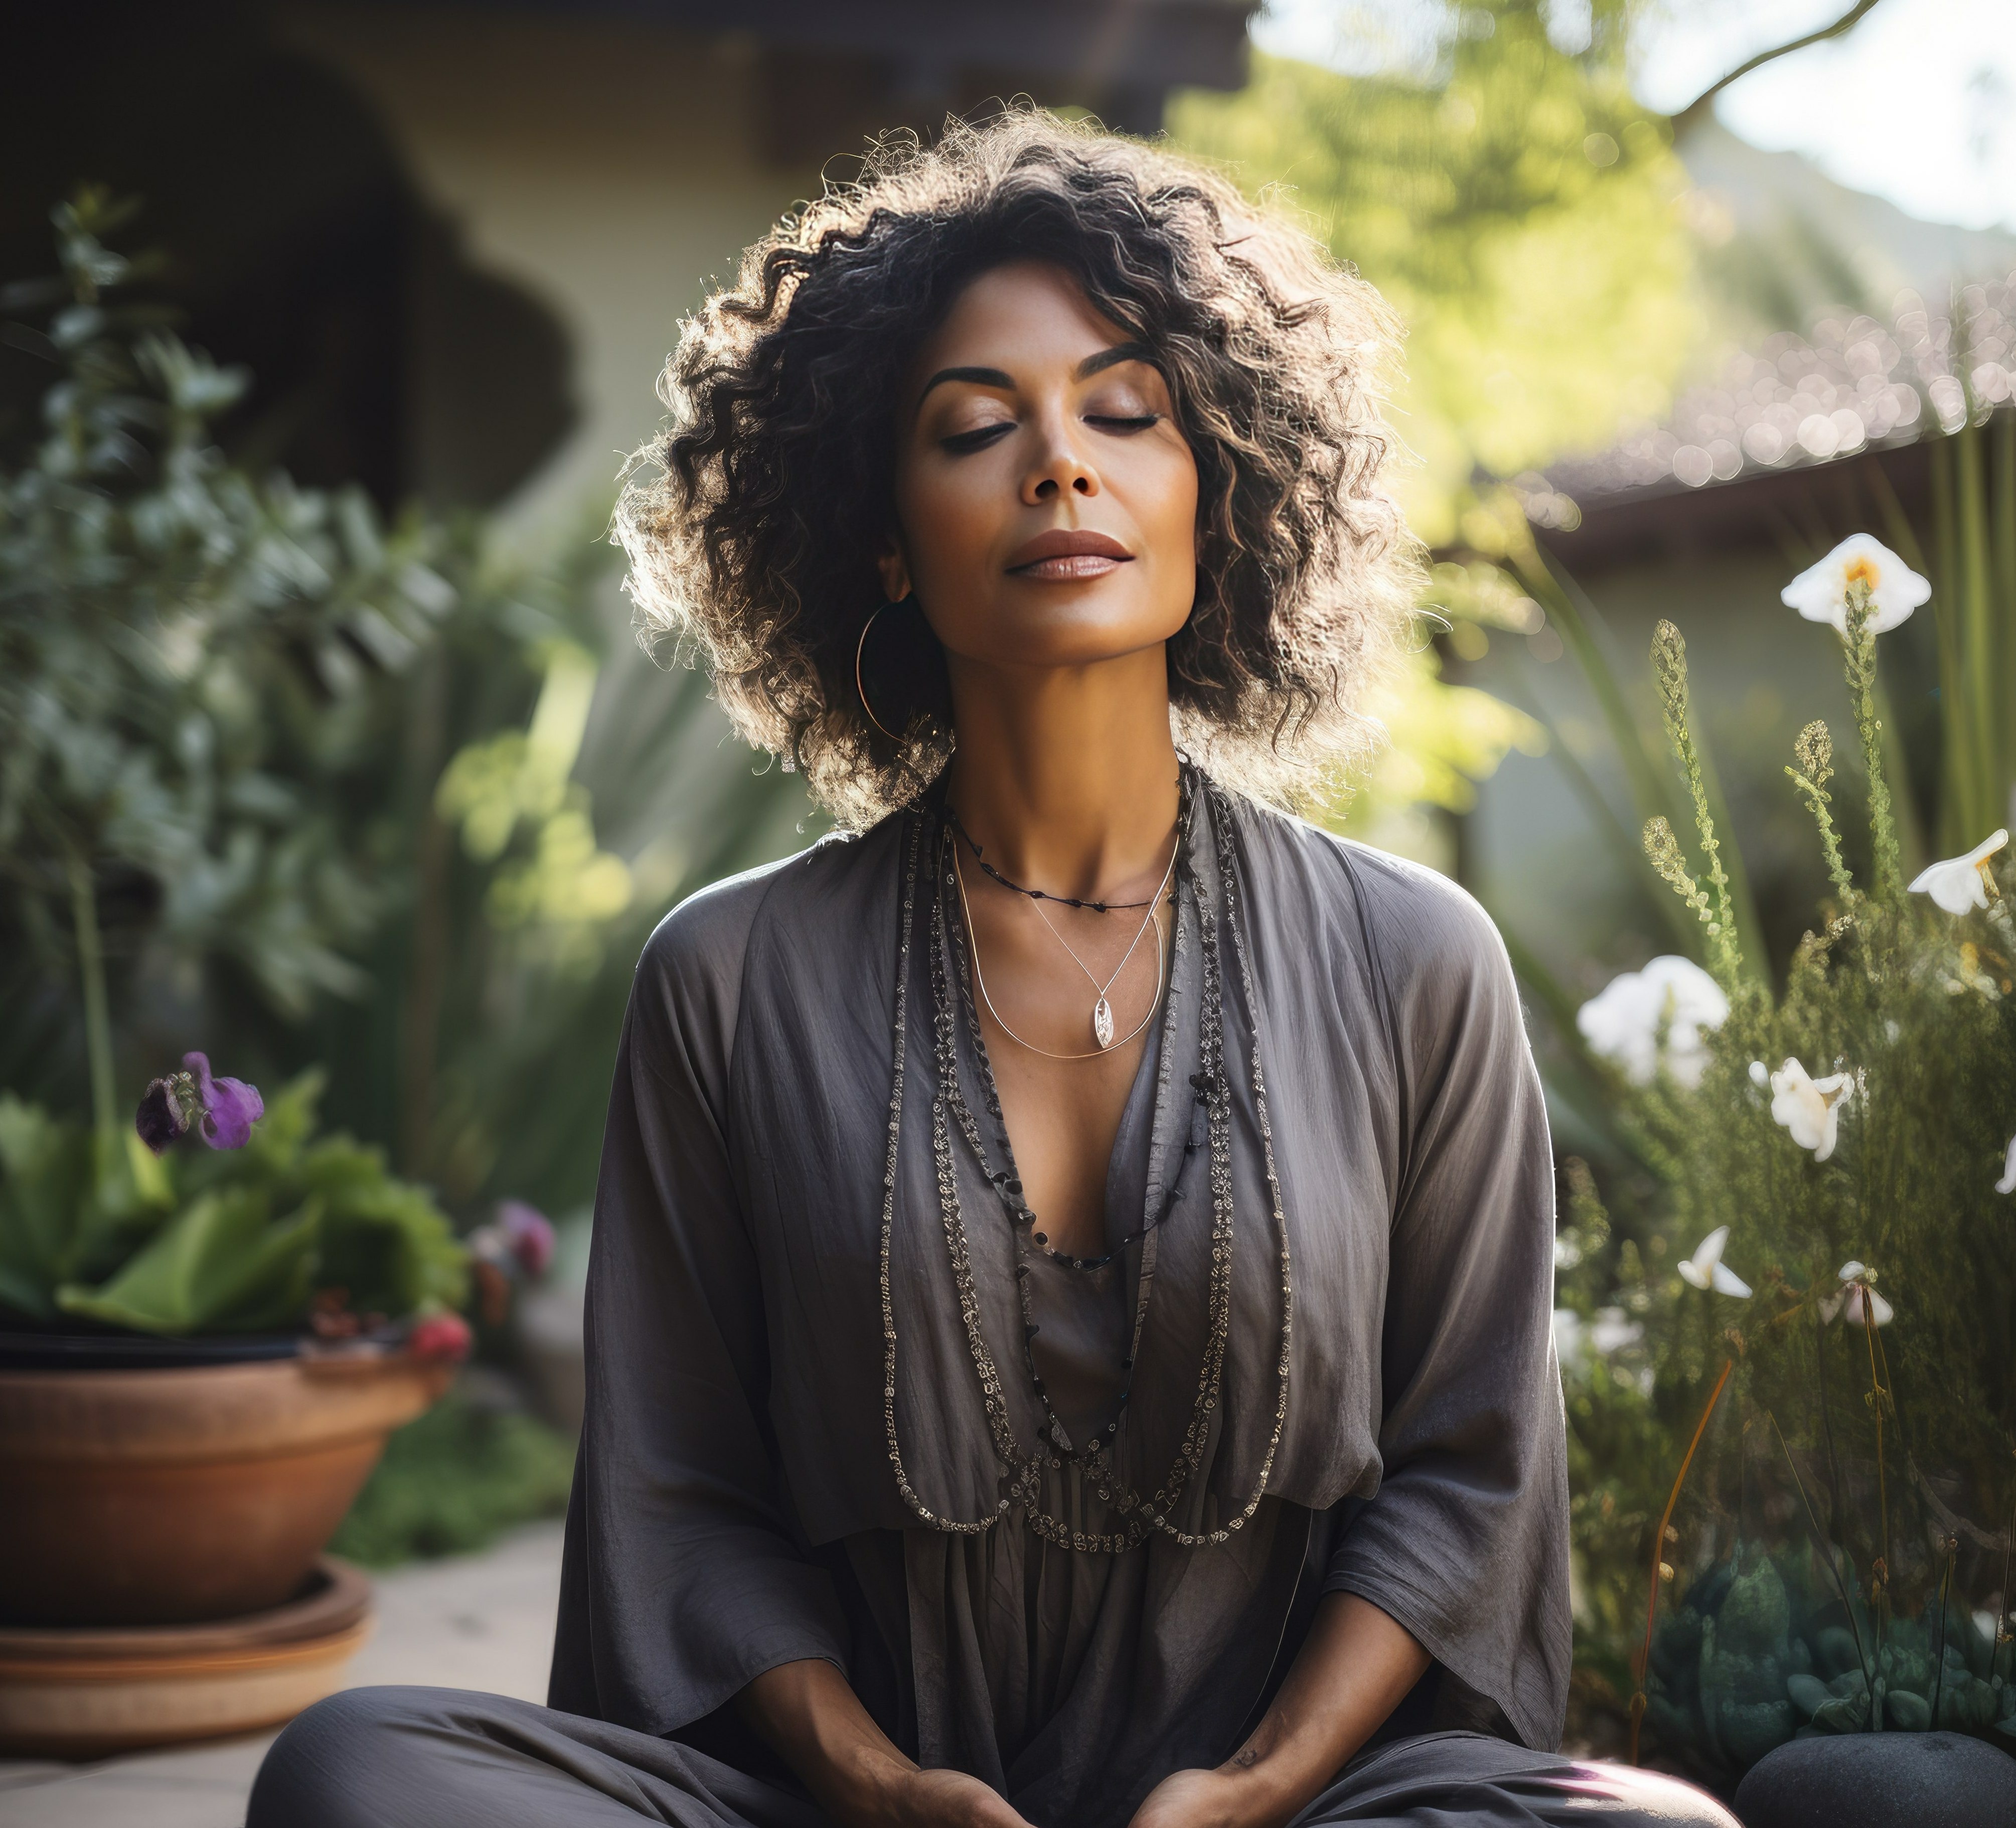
x=453 y=242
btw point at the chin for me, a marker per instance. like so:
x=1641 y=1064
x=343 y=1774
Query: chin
x=1075 y=629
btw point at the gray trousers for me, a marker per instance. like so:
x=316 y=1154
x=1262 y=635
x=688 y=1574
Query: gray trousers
x=414 y=1757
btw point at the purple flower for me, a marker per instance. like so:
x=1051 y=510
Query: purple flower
x=528 y=1235
x=159 y=1119
x=220 y=1111
x=231 y=1107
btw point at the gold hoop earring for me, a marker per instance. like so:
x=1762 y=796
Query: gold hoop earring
x=860 y=690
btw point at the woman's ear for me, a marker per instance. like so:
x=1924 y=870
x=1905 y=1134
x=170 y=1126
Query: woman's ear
x=895 y=573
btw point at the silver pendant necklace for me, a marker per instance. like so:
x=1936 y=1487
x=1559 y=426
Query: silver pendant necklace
x=1103 y=1026
x=1102 y=1010
x=1106 y=1041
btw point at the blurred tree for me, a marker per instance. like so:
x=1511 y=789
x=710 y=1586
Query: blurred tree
x=1517 y=207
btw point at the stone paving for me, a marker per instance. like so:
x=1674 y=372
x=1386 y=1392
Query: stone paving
x=478 y=1621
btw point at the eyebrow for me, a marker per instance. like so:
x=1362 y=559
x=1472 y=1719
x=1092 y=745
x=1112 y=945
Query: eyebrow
x=1111 y=357
x=995 y=377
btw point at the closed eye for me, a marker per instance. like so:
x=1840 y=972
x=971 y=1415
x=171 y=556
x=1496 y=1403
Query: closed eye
x=964 y=443
x=1139 y=422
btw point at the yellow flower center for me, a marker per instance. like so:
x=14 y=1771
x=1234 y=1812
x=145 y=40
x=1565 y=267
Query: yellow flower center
x=1861 y=569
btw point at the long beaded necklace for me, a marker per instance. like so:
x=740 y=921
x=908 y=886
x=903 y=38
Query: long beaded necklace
x=1022 y=1481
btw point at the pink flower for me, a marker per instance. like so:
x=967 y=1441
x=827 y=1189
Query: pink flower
x=528 y=1235
x=441 y=1338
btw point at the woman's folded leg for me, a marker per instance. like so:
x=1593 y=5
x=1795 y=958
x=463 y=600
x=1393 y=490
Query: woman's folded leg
x=417 y=1757
x=1470 y=1780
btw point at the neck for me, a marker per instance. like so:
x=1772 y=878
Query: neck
x=1066 y=776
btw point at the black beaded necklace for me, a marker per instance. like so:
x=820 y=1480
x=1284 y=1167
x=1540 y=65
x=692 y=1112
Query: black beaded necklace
x=958 y=825
x=1023 y=1479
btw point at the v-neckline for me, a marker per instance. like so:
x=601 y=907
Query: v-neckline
x=1151 y=1081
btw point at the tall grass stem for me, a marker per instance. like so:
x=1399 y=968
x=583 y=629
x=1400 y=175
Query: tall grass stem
x=97 y=1009
x=1643 y=1661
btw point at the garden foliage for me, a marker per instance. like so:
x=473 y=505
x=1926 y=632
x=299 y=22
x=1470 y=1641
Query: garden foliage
x=199 y=1241
x=1834 y=1555
x=454 y=1481
x=315 y=788
x=186 y=661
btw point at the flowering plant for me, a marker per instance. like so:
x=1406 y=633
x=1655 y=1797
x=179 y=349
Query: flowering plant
x=1830 y=1368
x=268 y=1227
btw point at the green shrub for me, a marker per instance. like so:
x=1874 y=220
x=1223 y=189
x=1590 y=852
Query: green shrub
x=453 y=1481
x=1824 y=1455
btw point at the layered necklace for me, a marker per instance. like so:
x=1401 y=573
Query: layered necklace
x=930 y=845
x=1102 y=1010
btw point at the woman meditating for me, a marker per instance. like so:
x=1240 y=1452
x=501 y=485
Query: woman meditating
x=1068 y=1332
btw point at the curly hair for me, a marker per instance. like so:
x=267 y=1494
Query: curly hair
x=753 y=521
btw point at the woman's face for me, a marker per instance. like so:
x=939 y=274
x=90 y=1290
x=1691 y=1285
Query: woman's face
x=1046 y=502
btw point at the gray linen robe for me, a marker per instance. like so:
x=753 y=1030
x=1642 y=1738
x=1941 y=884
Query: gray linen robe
x=735 y=1506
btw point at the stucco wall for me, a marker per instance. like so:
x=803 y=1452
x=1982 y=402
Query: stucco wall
x=607 y=169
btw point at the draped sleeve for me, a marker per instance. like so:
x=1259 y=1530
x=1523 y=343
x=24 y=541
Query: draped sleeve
x=1465 y=1541
x=683 y=1578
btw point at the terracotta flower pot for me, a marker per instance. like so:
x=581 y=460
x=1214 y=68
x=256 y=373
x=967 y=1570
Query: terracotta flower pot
x=89 y=1691
x=158 y=1496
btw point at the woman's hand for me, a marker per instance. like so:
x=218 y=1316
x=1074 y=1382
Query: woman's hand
x=816 y=1724
x=1350 y=1674
x=1230 y=1796
x=936 y=1799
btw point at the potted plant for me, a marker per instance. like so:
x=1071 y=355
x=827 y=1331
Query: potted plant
x=206 y=1351
x=210 y=1320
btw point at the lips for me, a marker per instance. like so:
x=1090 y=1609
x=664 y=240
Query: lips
x=1065 y=554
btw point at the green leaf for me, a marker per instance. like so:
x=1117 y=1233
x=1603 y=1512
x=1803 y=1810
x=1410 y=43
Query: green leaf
x=384 y=1240
x=1810 y=1694
x=279 y=1138
x=221 y=1266
x=1844 y=1713
x=45 y=1178
x=1906 y=1711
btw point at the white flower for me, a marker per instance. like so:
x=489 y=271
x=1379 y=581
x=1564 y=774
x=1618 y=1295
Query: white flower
x=1705 y=1269
x=1860 y=1280
x=1624 y=1022
x=1961 y=883
x=1613 y=1330
x=1809 y=1108
x=2007 y=1183
x=1760 y=1075
x=1820 y=593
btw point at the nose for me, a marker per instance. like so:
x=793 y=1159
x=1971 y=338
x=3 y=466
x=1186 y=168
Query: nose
x=1060 y=466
